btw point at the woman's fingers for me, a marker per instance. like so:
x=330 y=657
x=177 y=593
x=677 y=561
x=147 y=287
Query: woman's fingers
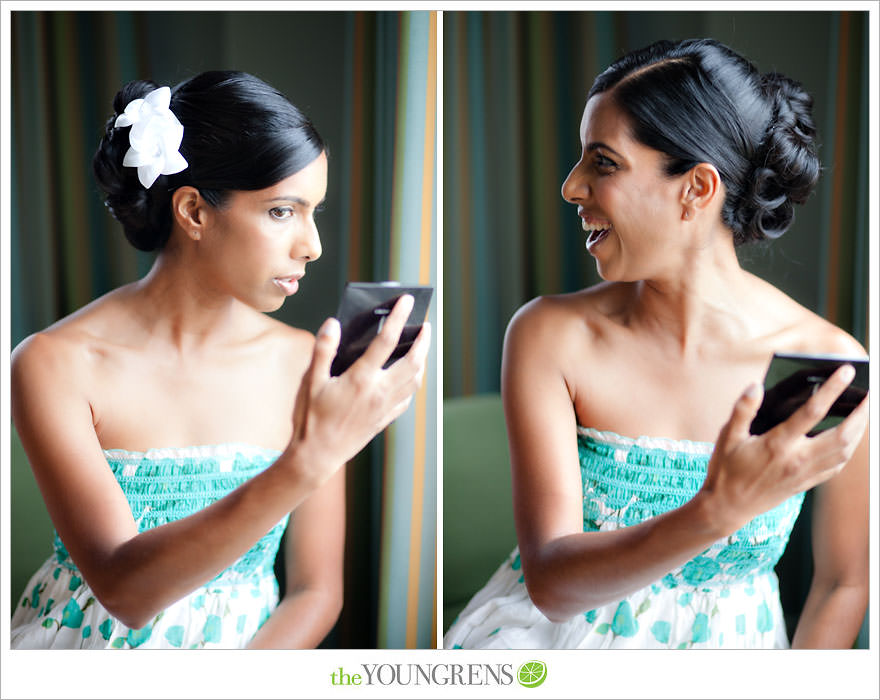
x=816 y=407
x=743 y=414
x=817 y=459
x=381 y=347
x=317 y=373
x=335 y=418
x=404 y=377
x=422 y=341
x=854 y=425
x=750 y=474
x=407 y=372
x=326 y=345
x=418 y=353
x=414 y=360
x=836 y=445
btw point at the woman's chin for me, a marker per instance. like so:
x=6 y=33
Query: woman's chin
x=265 y=304
x=270 y=307
x=610 y=275
x=606 y=272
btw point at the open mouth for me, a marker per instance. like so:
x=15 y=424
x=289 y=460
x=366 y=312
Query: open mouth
x=596 y=229
x=595 y=235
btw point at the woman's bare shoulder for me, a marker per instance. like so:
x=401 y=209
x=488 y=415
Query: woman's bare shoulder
x=556 y=334
x=823 y=337
x=289 y=348
x=68 y=342
x=51 y=363
x=278 y=336
x=799 y=329
x=584 y=311
x=46 y=349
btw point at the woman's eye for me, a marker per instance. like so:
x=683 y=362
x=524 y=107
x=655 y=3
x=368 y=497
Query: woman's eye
x=280 y=213
x=604 y=164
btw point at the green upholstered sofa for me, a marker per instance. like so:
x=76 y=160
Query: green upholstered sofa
x=478 y=530
x=31 y=530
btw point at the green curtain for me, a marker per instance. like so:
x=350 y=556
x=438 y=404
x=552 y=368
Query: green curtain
x=514 y=89
x=62 y=242
x=512 y=94
x=363 y=78
x=410 y=495
x=390 y=148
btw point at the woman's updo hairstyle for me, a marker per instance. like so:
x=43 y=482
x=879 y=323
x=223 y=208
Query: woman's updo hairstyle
x=697 y=101
x=238 y=134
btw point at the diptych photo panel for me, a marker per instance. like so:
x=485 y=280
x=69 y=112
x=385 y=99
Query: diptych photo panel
x=438 y=350
x=336 y=161
x=586 y=387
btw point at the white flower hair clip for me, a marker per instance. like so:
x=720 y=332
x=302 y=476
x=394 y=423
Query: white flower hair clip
x=155 y=137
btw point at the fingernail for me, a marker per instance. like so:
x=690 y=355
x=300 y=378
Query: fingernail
x=753 y=391
x=848 y=373
x=329 y=328
x=408 y=300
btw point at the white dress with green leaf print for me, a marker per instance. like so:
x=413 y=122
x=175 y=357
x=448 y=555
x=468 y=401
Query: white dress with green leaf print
x=59 y=610
x=727 y=597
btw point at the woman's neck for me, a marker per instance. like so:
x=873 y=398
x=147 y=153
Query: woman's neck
x=178 y=310
x=703 y=303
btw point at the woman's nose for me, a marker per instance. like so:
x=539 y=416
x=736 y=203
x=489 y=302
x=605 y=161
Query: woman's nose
x=307 y=245
x=575 y=188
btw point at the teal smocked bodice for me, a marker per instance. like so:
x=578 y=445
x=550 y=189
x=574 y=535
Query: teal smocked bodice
x=627 y=482
x=725 y=597
x=163 y=485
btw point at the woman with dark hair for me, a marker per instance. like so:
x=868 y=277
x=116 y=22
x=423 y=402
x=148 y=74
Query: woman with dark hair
x=647 y=515
x=173 y=428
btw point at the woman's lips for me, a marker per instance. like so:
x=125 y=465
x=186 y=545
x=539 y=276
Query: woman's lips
x=597 y=229
x=596 y=236
x=288 y=285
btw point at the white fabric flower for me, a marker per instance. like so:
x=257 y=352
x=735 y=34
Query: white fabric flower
x=155 y=137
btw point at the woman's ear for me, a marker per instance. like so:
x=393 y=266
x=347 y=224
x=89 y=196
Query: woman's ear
x=701 y=189
x=189 y=210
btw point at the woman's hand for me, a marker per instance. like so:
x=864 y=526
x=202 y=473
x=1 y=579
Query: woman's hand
x=335 y=417
x=136 y=574
x=750 y=474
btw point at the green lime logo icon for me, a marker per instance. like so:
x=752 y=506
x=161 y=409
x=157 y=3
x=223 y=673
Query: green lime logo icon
x=531 y=674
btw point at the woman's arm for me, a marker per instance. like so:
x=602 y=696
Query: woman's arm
x=838 y=597
x=568 y=571
x=314 y=555
x=136 y=575
x=133 y=575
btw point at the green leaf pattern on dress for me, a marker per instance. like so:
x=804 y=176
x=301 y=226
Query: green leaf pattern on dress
x=162 y=486
x=725 y=595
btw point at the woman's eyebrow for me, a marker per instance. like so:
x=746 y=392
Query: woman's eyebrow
x=293 y=200
x=594 y=145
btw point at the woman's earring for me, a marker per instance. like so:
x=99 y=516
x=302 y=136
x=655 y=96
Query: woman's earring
x=196 y=235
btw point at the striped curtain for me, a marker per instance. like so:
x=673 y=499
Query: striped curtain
x=392 y=149
x=410 y=497
x=514 y=85
x=514 y=89
x=370 y=88
x=64 y=249
x=845 y=248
